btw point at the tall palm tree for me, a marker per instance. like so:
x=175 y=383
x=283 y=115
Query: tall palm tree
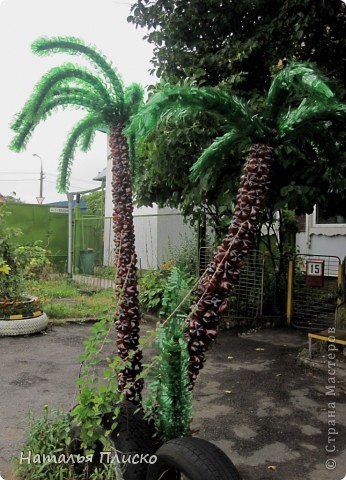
x=100 y=91
x=300 y=110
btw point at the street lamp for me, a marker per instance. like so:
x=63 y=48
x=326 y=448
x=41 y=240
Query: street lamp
x=41 y=197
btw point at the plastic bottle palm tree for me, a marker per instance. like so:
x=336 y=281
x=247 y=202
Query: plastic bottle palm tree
x=98 y=90
x=301 y=110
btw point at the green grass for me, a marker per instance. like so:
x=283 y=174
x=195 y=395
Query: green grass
x=52 y=435
x=105 y=272
x=54 y=288
x=61 y=299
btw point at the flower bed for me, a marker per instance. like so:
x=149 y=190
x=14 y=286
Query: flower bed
x=24 y=307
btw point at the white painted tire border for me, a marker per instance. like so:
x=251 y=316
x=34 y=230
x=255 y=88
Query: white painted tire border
x=25 y=326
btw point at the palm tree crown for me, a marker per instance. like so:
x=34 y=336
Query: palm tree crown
x=99 y=91
x=301 y=110
x=109 y=106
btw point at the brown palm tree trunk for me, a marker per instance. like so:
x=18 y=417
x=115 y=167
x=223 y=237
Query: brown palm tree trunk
x=127 y=314
x=222 y=273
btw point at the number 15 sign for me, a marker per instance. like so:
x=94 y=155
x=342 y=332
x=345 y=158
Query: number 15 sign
x=314 y=272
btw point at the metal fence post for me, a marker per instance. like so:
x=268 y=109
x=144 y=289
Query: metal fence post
x=290 y=291
x=340 y=283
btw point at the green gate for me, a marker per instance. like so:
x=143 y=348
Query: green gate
x=88 y=233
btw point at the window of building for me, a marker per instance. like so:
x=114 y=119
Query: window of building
x=321 y=218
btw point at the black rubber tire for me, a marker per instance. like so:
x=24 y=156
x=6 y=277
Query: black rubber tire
x=194 y=457
x=133 y=436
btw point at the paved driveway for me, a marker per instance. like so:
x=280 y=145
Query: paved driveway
x=252 y=399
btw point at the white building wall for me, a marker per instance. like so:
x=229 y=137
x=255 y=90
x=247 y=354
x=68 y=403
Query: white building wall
x=156 y=229
x=171 y=233
x=322 y=239
x=321 y=245
x=145 y=221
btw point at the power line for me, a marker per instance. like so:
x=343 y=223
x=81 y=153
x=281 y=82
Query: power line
x=76 y=180
x=16 y=173
x=74 y=187
x=92 y=182
x=18 y=179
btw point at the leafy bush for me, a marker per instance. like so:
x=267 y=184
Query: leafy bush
x=50 y=439
x=95 y=202
x=18 y=263
x=11 y=277
x=185 y=256
x=151 y=288
x=176 y=293
x=33 y=260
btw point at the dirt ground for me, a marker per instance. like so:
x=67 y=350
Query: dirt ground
x=266 y=411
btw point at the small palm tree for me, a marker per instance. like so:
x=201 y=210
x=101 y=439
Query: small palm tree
x=109 y=106
x=300 y=110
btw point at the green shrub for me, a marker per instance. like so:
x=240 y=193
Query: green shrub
x=185 y=256
x=176 y=297
x=50 y=441
x=11 y=276
x=33 y=260
x=151 y=287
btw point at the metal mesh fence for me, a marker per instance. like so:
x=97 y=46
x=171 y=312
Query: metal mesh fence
x=314 y=302
x=261 y=290
x=205 y=256
x=246 y=300
x=59 y=263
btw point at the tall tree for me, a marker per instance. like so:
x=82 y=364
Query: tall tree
x=240 y=43
x=300 y=112
x=99 y=90
x=236 y=46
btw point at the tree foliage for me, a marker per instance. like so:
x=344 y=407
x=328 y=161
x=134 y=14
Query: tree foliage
x=300 y=112
x=95 y=202
x=309 y=162
x=240 y=43
x=236 y=46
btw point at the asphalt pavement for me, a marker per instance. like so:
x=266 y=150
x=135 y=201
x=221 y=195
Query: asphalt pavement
x=267 y=411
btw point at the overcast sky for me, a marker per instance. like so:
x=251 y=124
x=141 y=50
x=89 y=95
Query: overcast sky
x=101 y=23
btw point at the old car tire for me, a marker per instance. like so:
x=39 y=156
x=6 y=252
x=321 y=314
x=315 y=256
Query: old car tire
x=25 y=326
x=133 y=436
x=195 y=458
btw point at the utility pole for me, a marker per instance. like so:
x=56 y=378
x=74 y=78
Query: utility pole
x=41 y=197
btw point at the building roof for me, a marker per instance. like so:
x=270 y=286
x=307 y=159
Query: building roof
x=64 y=204
x=101 y=175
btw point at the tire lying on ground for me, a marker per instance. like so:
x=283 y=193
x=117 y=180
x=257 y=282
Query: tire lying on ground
x=193 y=457
x=25 y=326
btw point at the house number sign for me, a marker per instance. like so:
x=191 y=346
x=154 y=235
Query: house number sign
x=314 y=272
